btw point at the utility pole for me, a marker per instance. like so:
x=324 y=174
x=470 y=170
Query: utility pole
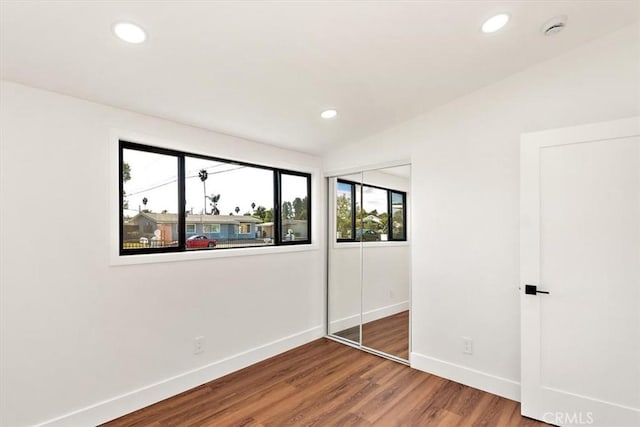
x=203 y=174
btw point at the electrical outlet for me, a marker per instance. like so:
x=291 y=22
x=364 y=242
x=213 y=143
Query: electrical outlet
x=198 y=345
x=467 y=345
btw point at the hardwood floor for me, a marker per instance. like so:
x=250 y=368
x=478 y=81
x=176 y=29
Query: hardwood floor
x=325 y=383
x=389 y=335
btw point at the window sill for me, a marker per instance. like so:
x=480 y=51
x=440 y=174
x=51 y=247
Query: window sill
x=118 y=260
x=377 y=244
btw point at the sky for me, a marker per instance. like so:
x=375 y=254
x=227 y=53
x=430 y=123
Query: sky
x=374 y=198
x=154 y=176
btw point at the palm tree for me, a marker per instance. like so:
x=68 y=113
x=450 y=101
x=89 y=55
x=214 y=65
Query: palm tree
x=253 y=206
x=214 y=203
x=144 y=202
x=237 y=210
x=203 y=174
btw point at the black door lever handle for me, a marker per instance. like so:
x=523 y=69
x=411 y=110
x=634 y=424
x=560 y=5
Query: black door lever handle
x=533 y=290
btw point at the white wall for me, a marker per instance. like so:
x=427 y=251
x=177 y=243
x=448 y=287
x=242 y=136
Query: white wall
x=465 y=180
x=78 y=331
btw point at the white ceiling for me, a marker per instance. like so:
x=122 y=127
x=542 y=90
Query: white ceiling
x=265 y=70
x=401 y=171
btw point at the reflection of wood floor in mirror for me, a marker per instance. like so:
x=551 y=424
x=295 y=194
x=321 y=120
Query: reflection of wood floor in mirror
x=389 y=335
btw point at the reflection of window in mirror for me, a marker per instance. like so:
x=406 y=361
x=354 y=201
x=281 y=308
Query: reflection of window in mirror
x=380 y=217
x=374 y=214
x=344 y=210
x=398 y=217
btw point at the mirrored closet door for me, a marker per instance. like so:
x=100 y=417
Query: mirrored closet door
x=369 y=260
x=344 y=260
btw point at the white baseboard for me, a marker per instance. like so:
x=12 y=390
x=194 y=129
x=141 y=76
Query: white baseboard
x=368 y=316
x=467 y=376
x=344 y=323
x=389 y=310
x=115 y=407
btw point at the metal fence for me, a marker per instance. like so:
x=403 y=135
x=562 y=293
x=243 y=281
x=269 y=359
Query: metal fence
x=220 y=243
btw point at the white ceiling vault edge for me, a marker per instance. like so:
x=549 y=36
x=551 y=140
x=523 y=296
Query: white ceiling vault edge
x=266 y=70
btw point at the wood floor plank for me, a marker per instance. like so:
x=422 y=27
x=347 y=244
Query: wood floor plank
x=238 y=412
x=416 y=402
x=348 y=419
x=387 y=396
x=325 y=393
x=325 y=383
x=466 y=400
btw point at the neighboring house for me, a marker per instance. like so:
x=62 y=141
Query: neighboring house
x=265 y=230
x=221 y=227
x=298 y=229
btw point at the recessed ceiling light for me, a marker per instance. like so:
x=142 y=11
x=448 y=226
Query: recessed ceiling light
x=131 y=33
x=328 y=114
x=495 y=23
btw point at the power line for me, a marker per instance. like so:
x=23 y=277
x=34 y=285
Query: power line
x=209 y=167
x=172 y=180
x=151 y=188
x=215 y=173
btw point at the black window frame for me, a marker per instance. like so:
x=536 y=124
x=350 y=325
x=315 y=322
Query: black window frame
x=353 y=210
x=389 y=191
x=403 y=194
x=278 y=211
x=181 y=227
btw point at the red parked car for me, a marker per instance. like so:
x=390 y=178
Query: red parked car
x=200 y=241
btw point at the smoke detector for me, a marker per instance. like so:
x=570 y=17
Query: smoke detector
x=554 y=25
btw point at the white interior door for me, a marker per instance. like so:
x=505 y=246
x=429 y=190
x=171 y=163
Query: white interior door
x=580 y=241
